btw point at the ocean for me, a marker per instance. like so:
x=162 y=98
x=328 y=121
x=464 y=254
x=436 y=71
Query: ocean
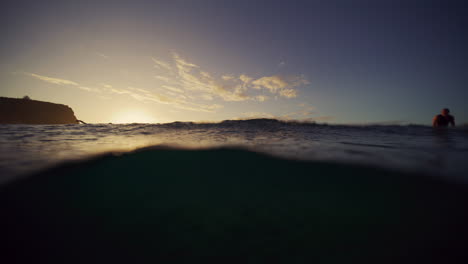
x=25 y=149
x=254 y=191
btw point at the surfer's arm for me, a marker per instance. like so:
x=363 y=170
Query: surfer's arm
x=434 y=122
x=452 y=121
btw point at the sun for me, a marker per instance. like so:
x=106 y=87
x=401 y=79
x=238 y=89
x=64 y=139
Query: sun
x=133 y=116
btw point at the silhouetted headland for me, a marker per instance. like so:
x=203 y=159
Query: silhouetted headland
x=27 y=111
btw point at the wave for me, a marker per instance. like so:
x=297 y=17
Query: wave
x=269 y=122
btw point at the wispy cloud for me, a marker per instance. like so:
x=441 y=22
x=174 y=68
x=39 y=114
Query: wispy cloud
x=261 y=98
x=102 y=55
x=272 y=83
x=283 y=85
x=188 y=76
x=174 y=89
x=136 y=93
x=162 y=78
x=178 y=102
x=288 y=93
x=191 y=78
x=59 y=81
x=184 y=85
x=161 y=64
x=181 y=62
x=207 y=97
x=89 y=89
x=52 y=79
x=227 y=77
x=245 y=79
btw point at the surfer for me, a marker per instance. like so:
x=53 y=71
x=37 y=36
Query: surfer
x=443 y=119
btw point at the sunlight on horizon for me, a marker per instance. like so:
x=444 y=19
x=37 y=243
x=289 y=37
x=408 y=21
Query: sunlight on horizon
x=133 y=116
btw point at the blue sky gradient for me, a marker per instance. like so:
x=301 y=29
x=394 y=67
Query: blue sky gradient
x=358 y=61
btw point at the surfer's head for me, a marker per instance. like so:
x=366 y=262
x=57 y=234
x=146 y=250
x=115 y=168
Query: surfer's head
x=445 y=111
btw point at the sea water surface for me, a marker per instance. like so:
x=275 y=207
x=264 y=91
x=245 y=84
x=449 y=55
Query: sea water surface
x=441 y=152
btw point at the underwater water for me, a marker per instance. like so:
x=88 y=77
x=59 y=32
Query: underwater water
x=442 y=152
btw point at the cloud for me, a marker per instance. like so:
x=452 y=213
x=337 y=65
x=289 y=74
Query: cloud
x=191 y=78
x=52 y=80
x=272 y=83
x=288 y=93
x=161 y=64
x=162 y=78
x=227 y=77
x=118 y=91
x=206 y=75
x=148 y=96
x=59 y=81
x=139 y=90
x=136 y=93
x=181 y=62
x=85 y=88
x=229 y=88
x=245 y=79
x=188 y=76
x=96 y=90
x=186 y=85
x=174 y=89
x=306 y=107
x=102 y=55
x=207 y=97
x=284 y=86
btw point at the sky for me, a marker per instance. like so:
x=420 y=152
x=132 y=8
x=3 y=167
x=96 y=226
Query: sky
x=338 y=62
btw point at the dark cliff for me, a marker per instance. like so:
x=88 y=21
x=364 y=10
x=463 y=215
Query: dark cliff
x=26 y=111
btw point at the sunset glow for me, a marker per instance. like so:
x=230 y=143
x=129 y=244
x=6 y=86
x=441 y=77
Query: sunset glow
x=133 y=116
x=211 y=61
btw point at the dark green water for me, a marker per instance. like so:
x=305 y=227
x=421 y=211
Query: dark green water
x=230 y=206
